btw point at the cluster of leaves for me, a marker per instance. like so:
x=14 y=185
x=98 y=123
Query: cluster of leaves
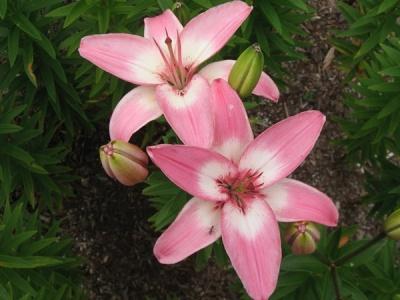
x=370 y=54
x=373 y=274
x=35 y=262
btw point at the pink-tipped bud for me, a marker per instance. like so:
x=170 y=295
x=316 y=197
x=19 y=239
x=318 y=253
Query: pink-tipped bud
x=302 y=237
x=124 y=162
x=392 y=225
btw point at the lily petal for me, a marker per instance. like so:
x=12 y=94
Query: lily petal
x=280 y=149
x=208 y=32
x=133 y=111
x=232 y=128
x=195 y=170
x=292 y=201
x=265 y=87
x=189 y=112
x=129 y=57
x=157 y=27
x=196 y=226
x=252 y=242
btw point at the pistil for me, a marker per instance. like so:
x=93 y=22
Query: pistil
x=241 y=187
x=176 y=74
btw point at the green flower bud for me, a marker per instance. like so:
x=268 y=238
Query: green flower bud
x=392 y=225
x=181 y=11
x=124 y=162
x=247 y=70
x=302 y=237
x=396 y=297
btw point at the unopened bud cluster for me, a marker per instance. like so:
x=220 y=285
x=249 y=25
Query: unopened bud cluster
x=392 y=225
x=302 y=237
x=247 y=70
x=124 y=162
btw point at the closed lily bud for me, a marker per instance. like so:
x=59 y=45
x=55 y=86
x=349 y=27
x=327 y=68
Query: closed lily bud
x=181 y=11
x=124 y=162
x=247 y=70
x=302 y=237
x=392 y=225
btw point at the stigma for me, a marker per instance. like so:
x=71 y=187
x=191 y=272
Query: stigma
x=241 y=187
x=176 y=74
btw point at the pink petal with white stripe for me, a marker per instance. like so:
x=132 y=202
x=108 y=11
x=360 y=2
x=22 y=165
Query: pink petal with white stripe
x=129 y=57
x=292 y=201
x=232 y=128
x=280 y=149
x=195 y=170
x=133 y=111
x=265 y=87
x=252 y=241
x=157 y=27
x=189 y=112
x=208 y=32
x=197 y=226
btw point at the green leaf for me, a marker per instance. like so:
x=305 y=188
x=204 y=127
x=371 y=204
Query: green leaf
x=18 y=239
x=305 y=263
x=27 y=262
x=25 y=25
x=368 y=45
x=165 y=4
x=390 y=107
x=270 y=13
x=386 y=5
x=9 y=128
x=47 y=46
x=62 y=11
x=13 y=45
x=3 y=8
x=365 y=256
x=202 y=257
x=300 y=4
x=22 y=156
x=28 y=63
x=103 y=17
x=204 y=3
x=391 y=71
x=385 y=87
x=29 y=191
x=79 y=9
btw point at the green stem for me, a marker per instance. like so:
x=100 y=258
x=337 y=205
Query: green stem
x=335 y=279
x=342 y=260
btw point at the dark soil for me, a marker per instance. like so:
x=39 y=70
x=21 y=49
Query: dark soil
x=109 y=222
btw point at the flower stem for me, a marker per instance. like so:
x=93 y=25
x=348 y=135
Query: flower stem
x=335 y=279
x=342 y=260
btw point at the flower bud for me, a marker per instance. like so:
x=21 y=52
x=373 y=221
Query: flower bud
x=392 y=225
x=302 y=237
x=124 y=162
x=247 y=70
x=181 y=11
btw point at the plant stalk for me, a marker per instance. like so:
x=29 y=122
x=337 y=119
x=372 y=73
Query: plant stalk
x=341 y=260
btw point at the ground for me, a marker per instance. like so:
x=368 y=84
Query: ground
x=108 y=222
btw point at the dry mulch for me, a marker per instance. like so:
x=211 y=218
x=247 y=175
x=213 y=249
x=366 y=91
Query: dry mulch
x=109 y=222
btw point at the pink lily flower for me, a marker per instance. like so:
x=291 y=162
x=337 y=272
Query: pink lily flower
x=240 y=190
x=165 y=63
